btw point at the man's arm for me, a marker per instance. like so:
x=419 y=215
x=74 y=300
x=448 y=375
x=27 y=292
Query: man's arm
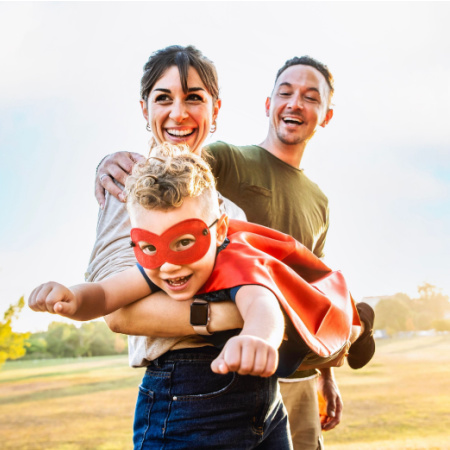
x=328 y=389
x=158 y=315
x=116 y=166
x=255 y=350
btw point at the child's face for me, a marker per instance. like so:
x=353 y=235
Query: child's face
x=179 y=280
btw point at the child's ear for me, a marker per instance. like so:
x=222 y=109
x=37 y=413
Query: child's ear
x=222 y=228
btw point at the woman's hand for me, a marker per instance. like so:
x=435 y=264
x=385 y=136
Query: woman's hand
x=116 y=166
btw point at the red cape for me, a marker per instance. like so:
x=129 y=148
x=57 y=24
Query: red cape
x=315 y=298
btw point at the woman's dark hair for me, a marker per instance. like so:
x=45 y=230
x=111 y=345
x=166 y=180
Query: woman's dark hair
x=183 y=58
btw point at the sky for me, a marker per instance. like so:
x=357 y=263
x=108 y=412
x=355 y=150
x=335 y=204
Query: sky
x=69 y=94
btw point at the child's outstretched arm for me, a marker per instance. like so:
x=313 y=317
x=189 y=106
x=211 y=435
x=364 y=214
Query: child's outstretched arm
x=255 y=350
x=89 y=300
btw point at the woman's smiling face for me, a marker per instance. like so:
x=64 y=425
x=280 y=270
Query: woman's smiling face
x=180 y=117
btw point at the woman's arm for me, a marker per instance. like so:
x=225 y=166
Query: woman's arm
x=158 y=315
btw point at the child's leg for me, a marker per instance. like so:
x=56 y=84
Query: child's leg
x=182 y=404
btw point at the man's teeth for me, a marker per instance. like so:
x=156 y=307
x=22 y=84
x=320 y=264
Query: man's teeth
x=177 y=281
x=292 y=120
x=180 y=133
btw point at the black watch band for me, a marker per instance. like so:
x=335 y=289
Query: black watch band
x=200 y=316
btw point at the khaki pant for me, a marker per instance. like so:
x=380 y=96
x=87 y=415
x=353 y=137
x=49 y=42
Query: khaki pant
x=300 y=399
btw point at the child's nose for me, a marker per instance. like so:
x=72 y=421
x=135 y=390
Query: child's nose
x=169 y=267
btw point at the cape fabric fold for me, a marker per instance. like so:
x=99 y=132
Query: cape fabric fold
x=315 y=298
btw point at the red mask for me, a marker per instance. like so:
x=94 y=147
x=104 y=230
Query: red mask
x=160 y=249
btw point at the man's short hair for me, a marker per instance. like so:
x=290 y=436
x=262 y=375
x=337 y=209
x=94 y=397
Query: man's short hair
x=308 y=61
x=169 y=175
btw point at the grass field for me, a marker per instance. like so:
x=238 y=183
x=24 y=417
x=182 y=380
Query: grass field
x=400 y=401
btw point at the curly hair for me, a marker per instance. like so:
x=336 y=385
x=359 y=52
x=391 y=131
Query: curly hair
x=169 y=175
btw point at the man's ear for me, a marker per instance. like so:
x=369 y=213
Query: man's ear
x=144 y=109
x=268 y=106
x=222 y=228
x=328 y=117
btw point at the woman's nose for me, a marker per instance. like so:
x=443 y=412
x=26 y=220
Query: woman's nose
x=178 y=112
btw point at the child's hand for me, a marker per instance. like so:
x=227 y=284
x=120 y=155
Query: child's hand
x=246 y=355
x=53 y=298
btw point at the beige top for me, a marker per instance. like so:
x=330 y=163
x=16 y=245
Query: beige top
x=112 y=253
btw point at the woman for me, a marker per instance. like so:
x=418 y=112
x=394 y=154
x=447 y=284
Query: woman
x=180 y=102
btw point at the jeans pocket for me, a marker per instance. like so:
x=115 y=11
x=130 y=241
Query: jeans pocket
x=142 y=414
x=209 y=387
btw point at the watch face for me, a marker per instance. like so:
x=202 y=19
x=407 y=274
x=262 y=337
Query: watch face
x=199 y=314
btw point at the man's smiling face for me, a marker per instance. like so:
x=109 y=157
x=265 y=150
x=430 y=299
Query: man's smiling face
x=299 y=104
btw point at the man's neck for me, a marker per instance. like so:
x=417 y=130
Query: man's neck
x=290 y=154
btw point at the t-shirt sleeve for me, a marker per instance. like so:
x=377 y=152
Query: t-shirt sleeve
x=153 y=287
x=222 y=295
x=218 y=158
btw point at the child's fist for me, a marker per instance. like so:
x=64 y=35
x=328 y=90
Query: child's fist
x=53 y=298
x=247 y=355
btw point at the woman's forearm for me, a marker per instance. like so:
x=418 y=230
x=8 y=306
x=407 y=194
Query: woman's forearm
x=158 y=315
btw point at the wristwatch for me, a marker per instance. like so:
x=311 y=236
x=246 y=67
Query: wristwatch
x=200 y=315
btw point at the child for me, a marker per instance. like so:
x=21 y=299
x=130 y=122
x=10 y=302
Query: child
x=180 y=242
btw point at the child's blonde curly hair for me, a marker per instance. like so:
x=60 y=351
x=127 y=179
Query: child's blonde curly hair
x=169 y=175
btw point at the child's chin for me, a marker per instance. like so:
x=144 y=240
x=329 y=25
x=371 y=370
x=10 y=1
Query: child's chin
x=181 y=296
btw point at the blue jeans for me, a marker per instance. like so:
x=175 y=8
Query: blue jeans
x=182 y=404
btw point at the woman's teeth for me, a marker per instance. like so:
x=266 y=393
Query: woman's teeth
x=180 y=133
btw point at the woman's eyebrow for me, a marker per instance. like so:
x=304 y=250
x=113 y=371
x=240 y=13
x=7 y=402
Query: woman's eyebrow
x=194 y=89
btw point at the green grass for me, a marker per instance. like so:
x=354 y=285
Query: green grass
x=68 y=404
x=400 y=401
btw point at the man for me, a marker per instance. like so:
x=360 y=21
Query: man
x=267 y=183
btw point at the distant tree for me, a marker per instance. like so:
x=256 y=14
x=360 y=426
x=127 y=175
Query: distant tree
x=441 y=325
x=12 y=345
x=393 y=314
x=37 y=346
x=98 y=340
x=432 y=299
x=63 y=340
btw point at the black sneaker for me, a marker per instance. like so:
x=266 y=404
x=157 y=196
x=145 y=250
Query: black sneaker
x=363 y=349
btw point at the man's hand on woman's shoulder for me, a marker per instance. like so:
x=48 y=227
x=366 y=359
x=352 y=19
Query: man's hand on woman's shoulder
x=116 y=166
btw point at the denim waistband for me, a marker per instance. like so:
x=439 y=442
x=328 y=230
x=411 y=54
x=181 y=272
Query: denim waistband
x=201 y=354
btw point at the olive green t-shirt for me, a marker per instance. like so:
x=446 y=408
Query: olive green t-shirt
x=272 y=193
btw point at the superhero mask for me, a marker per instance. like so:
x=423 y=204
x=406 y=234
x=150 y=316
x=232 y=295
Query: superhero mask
x=168 y=247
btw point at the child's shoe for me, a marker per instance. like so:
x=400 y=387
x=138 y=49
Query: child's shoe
x=363 y=349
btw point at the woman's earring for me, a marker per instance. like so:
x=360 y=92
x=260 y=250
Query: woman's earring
x=148 y=128
x=213 y=127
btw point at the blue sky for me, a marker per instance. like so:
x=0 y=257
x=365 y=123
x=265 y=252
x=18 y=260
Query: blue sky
x=69 y=94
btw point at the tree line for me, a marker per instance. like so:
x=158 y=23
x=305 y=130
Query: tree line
x=61 y=340
x=399 y=312
x=65 y=340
